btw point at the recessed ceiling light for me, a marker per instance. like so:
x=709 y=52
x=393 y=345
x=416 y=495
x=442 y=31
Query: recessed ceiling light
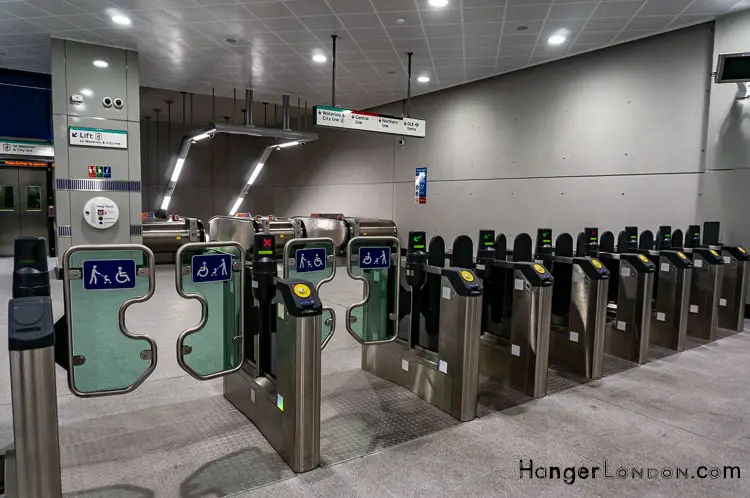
x=556 y=40
x=319 y=58
x=101 y=63
x=522 y=27
x=121 y=20
x=230 y=40
x=391 y=72
x=400 y=20
x=438 y=3
x=423 y=79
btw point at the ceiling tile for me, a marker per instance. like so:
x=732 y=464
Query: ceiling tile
x=447 y=53
x=600 y=37
x=191 y=14
x=480 y=52
x=528 y=27
x=648 y=23
x=88 y=21
x=445 y=42
x=53 y=23
x=369 y=34
x=329 y=22
x=688 y=19
x=489 y=3
x=268 y=10
x=572 y=10
x=512 y=51
x=618 y=9
x=360 y=21
x=481 y=41
x=444 y=31
x=417 y=45
x=352 y=6
x=308 y=7
x=25 y=9
x=665 y=7
x=631 y=35
x=231 y=12
x=405 y=33
x=526 y=12
x=441 y=16
x=54 y=7
x=485 y=14
x=483 y=28
x=710 y=7
x=297 y=36
x=393 y=5
x=519 y=40
x=283 y=24
x=382 y=44
x=410 y=18
x=606 y=23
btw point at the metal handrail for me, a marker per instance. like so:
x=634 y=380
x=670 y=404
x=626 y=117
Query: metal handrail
x=371 y=241
x=319 y=240
x=204 y=306
x=121 y=314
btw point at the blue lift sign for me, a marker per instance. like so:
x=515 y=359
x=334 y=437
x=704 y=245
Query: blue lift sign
x=374 y=257
x=310 y=260
x=211 y=268
x=105 y=274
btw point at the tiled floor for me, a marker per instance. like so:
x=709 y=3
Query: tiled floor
x=176 y=437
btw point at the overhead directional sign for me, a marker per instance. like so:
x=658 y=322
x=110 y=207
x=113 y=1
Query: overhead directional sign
x=16 y=148
x=333 y=117
x=211 y=268
x=310 y=260
x=374 y=257
x=107 y=274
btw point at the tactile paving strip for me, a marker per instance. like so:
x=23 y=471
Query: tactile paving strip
x=613 y=365
x=206 y=448
x=361 y=414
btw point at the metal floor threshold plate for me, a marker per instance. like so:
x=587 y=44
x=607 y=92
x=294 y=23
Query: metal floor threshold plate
x=206 y=448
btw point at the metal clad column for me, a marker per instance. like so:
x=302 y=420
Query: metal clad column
x=96 y=119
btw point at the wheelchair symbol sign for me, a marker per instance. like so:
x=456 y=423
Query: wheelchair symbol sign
x=374 y=257
x=211 y=268
x=310 y=260
x=109 y=274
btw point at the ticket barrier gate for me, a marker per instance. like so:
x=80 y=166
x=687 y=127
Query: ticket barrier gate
x=515 y=341
x=630 y=296
x=579 y=306
x=674 y=275
x=271 y=334
x=703 y=319
x=91 y=342
x=734 y=288
x=424 y=336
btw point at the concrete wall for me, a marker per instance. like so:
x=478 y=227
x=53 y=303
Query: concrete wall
x=606 y=138
x=727 y=179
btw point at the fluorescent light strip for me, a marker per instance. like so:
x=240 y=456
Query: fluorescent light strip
x=236 y=206
x=255 y=174
x=200 y=137
x=166 y=201
x=288 y=144
x=177 y=169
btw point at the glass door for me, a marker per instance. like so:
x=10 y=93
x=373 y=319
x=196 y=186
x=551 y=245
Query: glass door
x=10 y=211
x=32 y=190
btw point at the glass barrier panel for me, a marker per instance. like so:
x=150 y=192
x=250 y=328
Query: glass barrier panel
x=105 y=359
x=33 y=198
x=314 y=262
x=7 y=198
x=327 y=325
x=311 y=261
x=373 y=320
x=215 y=347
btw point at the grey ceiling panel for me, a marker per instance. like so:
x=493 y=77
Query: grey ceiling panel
x=183 y=43
x=607 y=23
x=486 y=14
x=648 y=23
x=625 y=8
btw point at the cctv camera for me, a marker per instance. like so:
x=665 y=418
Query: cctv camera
x=302 y=144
